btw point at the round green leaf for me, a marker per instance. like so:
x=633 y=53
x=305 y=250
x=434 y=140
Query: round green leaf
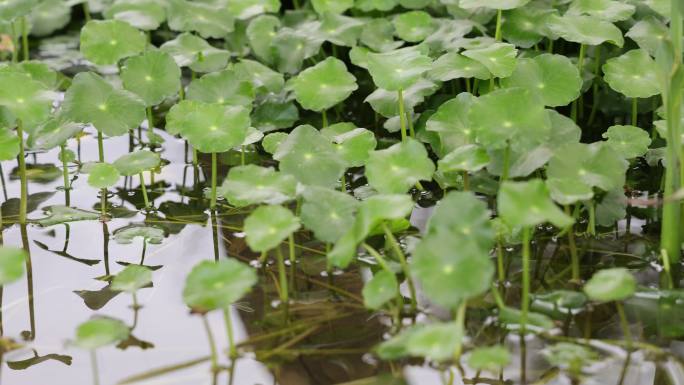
x=224 y=87
x=48 y=17
x=489 y=358
x=150 y=234
x=553 y=77
x=331 y=6
x=328 y=213
x=397 y=168
x=499 y=58
x=192 y=51
x=585 y=29
x=398 y=69
x=378 y=34
x=526 y=26
x=105 y=42
x=628 y=141
x=608 y=285
x=12 y=262
x=9 y=144
x=609 y=10
x=142 y=14
x=267 y=226
x=103 y=175
x=324 y=85
x=271 y=142
x=648 y=33
x=251 y=184
x=208 y=20
x=53 y=133
x=154 y=76
x=595 y=165
x=382 y=288
x=472 y=223
x=633 y=74
x=26 y=99
x=260 y=33
x=453 y=65
x=528 y=204
x=99 y=332
x=413 y=26
x=493 y=4
x=12 y=9
x=136 y=162
x=353 y=144
x=217 y=285
x=469 y=158
x=132 y=278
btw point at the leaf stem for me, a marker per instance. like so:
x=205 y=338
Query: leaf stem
x=24 y=38
x=144 y=190
x=460 y=327
x=506 y=162
x=212 y=343
x=402 y=115
x=404 y=265
x=324 y=115
x=282 y=277
x=232 y=349
x=94 y=367
x=65 y=175
x=574 y=257
x=214 y=166
x=635 y=111
x=525 y=302
x=497 y=32
x=100 y=146
x=22 y=173
x=624 y=324
x=86 y=11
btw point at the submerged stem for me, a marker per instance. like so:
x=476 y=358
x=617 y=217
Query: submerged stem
x=144 y=190
x=525 y=302
x=214 y=166
x=404 y=265
x=94 y=367
x=402 y=115
x=22 y=173
x=624 y=324
x=65 y=175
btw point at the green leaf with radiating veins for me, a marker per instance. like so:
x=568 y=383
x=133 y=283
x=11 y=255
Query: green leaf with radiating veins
x=628 y=141
x=136 y=162
x=451 y=269
x=99 y=332
x=354 y=144
x=469 y=157
x=324 y=85
x=472 y=223
x=612 y=208
x=91 y=99
x=451 y=119
x=132 y=278
x=216 y=285
x=386 y=103
x=615 y=284
x=310 y=157
x=260 y=33
x=499 y=58
x=339 y=29
x=528 y=204
x=209 y=127
x=511 y=116
x=493 y=4
x=12 y=261
x=261 y=76
x=26 y=99
x=489 y=358
x=208 y=20
x=142 y=14
x=251 y=184
x=633 y=74
x=103 y=175
x=380 y=5
x=586 y=30
x=154 y=76
x=328 y=213
x=9 y=144
x=595 y=165
x=12 y=9
x=436 y=342
x=54 y=132
x=223 y=87
x=331 y=6
x=106 y=42
x=150 y=234
x=413 y=26
x=271 y=142
x=378 y=34
x=648 y=33
x=267 y=226
x=192 y=51
x=246 y=9
x=526 y=26
x=568 y=191
x=453 y=65
x=397 y=168
x=609 y=10
x=398 y=69
x=563 y=130
x=553 y=77
x=380 y=289
x=48 y=17
x=273 y=115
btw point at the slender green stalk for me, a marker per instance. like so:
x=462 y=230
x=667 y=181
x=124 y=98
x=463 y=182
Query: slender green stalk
x=100 y=146
x=501 y=271
x=282 y=277
x=404 y=265
x=94 y=367
x=103 y=204
x=497 y=32
x=591 y=226
x=624 y=324
x=65 y=175
x=460 y=325
x=212 y=344
x=24 y=38
x=635 y=111
x=86 y=11
x=144 y=190
x=378 y=258
x=150 y=119
x=525 y=302
x=22 y=173
x=242 y=155
x=232 y=349
x=214 y=166
x=595 y=86
x=466 y=181
x=573 y=250
x=580 y=67
x=324 y=115
x=15 y=43
x=506 y=162
x=402 y=115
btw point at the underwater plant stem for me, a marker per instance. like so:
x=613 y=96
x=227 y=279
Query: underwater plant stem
x=404 y=265
x=525 y=302
x=212 y=343
x=22 y=173
x=624 y=324
x=282 y=277
x=460 y=327
x=324 y=115
x=94 y=367
x=378 y=257
x=24 y=39
x=214 y=166
x=144 y=190
x=100 y=146
x=635 y=111
x=402 y=115
x=232 y=349
x=65 y=175
x=574 y=257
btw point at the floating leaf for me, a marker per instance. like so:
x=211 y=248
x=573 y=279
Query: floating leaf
x=489 y=358
x=25 y=98
x=150 y=234
x=398 y=69
x=142 y=14
x=136 y=162
x=413 y=26
x=528 y=204
x=103 y=175
x=324 y=85
x=210 y=128
x=267 y=226
x=132 y=278
x=105 y=42
x=328 y=213
x=91 y=99
x=615 y=284
x=12 y=262
x=310 y=157
x=396 y=169
x=553 y=77
x=633 y=74
x=499 y=58
x=99 y=332
x=453 y=65
x=382 y=288
x=192 y=51
x=628 y=141
x=154 y=76
x=216 y=285
x=62 y=214
x=224 y=87
x=248 y=185
x=585 y=30
x=353 y=144
x=208 y=20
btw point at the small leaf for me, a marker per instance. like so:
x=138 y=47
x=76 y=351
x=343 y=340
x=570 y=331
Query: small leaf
x=150 y=234
x=224 y=87
x=103 y=175
x=216 y=285
x=260 y=33
x=396 y=169
x=615 y=284
x=12 y=262
x=142 y=14
x=378 y=34
x=528 y=204
x=569 y=356
x=248 y=185
x=208 y=20
x=105 y=42
x=267 y=226
x=413 y=26
x=472 y=223
x=324 y=85
x=382 y=288
x=453 y=65
x=136 y=162
x=53 y=133
x=436 y=341
x=628 y=141
x=132 y=278
x=469 y=158
x=192 y=51
x=648 y=33
x=499 y=58
x=398 y=69
x=62 y=214
x=489 y=358
x=99 y=332
x=328 y=213
x=585 y=30
x=633 y=74
x=353 y=144
x=154 y=76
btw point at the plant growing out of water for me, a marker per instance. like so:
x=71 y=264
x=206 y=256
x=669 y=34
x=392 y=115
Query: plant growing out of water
x=96 y=333
x=136 y=163
x=613 y=285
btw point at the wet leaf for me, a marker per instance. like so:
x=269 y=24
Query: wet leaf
x=248 y=185
x=382 y=288
x=633 y=74
x=91 y=99
x=267 y=226
x=353 y=144
x=224 y=87
x=99 y=332
x=328 y=213
x=105 y=42
x=386 y=103
x=499 y=58
x=489 y=358
x=150 y=234
x=528 y=204
x=136 y=162
x=12 y=260
x=192 y=51
x=397 y=168
x=103 y=175
x=324 y=85
x=628 y=141
x=154 y=76
x=208 y=20
x=58 y=214
x=614 y=284
x=274 y=115
x=132 y=278
x=398 y=69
